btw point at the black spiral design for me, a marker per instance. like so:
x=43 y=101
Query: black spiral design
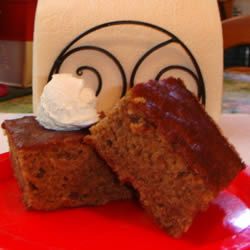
x=144 y=56
x=183 y=68
x=67 y=51
x=80 y=71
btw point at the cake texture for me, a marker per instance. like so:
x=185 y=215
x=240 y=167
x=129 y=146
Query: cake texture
x=159 y=139
x=57 y=169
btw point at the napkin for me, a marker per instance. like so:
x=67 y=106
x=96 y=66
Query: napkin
x=196 y=23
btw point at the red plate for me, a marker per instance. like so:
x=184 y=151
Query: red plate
x=121 y=225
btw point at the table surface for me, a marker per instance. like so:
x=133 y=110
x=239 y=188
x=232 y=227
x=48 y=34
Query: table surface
x=236 y=127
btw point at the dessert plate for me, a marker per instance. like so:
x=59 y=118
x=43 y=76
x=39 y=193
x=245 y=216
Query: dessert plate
x=121 y=225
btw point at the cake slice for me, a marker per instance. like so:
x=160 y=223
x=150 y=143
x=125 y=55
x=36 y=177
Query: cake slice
x=159 y=139
x=57 y=169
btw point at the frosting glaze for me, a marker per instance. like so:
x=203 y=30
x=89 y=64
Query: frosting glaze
x=21 y=129
x=183 y=121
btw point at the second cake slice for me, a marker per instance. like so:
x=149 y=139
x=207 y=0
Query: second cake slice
x=56 y=169
x=159 y=139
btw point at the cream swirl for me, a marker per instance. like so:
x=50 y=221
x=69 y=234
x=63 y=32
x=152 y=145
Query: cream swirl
x=66 y=104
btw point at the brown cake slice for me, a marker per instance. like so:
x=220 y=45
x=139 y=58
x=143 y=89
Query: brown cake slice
x=160 y=139
x=57 y=169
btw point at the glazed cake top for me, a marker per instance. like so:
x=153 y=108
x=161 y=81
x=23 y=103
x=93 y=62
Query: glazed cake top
x=26 y=132
x=178 y=115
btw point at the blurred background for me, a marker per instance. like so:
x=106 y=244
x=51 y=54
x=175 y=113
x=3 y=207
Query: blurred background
x=16 y=35
x=235 y=16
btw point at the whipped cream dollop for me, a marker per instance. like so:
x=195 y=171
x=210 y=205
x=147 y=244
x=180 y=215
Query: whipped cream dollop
x=66 y=104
